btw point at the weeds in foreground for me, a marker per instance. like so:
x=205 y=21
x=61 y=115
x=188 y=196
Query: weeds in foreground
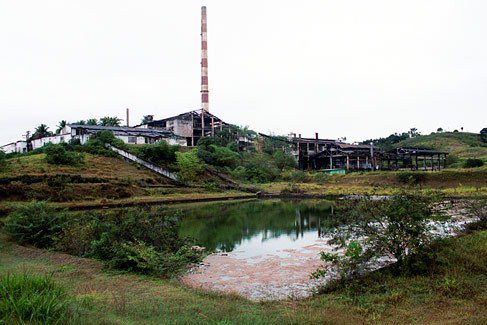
x=33 y=299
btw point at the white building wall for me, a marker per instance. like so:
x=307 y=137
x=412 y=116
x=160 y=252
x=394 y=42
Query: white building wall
x=21 y=146
x=69 y=134
x=8 y=148
x=56 y=139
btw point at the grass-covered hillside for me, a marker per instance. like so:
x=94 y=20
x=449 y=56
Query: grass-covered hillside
x=461 y=145
x=95 y=177
x=92 y=166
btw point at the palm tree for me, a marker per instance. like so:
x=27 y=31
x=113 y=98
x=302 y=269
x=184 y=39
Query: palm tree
x=110 y=121
x=41 y=132
x=92 y=121
x=61 y=126
x=147 y=118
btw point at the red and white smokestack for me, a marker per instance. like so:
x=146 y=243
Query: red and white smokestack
x=205 y=106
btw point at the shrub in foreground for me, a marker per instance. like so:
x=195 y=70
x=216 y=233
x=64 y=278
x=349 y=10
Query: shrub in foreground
x=478 y=208
x=135 y=239
x=140 y=240
x=36 y=224
x=32 y=299
x=473 y=162
x=398 y=227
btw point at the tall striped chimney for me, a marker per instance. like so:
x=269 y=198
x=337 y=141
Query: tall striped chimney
x=205 y=106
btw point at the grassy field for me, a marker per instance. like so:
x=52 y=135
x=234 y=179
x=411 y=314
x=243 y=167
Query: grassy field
x=454 y=290
x=99 y=181
x=454 y=182
x=92 y=167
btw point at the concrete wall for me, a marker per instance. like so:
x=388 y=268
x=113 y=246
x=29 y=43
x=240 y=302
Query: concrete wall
x=68 y=134
x=8 y=148
x=56 y=139
x=19 y=146
x=183 y=128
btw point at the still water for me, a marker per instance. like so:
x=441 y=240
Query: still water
x=255 y=228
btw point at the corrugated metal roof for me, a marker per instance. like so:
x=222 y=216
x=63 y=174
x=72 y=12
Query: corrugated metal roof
x=124 y=130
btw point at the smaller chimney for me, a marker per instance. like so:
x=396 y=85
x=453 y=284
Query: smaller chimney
x=128 y=124
x=316 y=135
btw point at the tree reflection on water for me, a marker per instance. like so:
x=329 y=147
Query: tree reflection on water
x=225 y=226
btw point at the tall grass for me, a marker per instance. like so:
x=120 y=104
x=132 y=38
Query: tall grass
x=33 y=299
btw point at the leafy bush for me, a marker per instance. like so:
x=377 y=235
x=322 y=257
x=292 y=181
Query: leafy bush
x=411 y=177
x=473 y=162
x=321 y=177
x=294 y=175
x=478 y=208
x=3 y=157
x=189 y=165
x=96 y=144
x=292 y=189
x=139 y=240
x=36 y=224
x=32 y=299
x=397 y=227
x=348 y=265
x=452 y=160
x=57 y=155
x=257 y=168
x=213 y=151
x=159 y=153
x=283 y=160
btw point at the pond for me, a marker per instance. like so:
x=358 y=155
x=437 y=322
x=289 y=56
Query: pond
x=257 y=227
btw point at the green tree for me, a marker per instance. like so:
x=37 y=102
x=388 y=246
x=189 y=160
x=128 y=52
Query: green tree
x=146 y=119
x=212 y=150
x=92 y=121
x=413 y=132
x=399 y=227
x=483 y=134
x=61 y=126
x=41 y=131
x=110 y=121
x=283 y=160
x=190 y=166
x=56 y=154
x=158 y=153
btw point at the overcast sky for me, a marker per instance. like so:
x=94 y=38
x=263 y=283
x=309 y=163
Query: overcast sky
x=358 y=69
